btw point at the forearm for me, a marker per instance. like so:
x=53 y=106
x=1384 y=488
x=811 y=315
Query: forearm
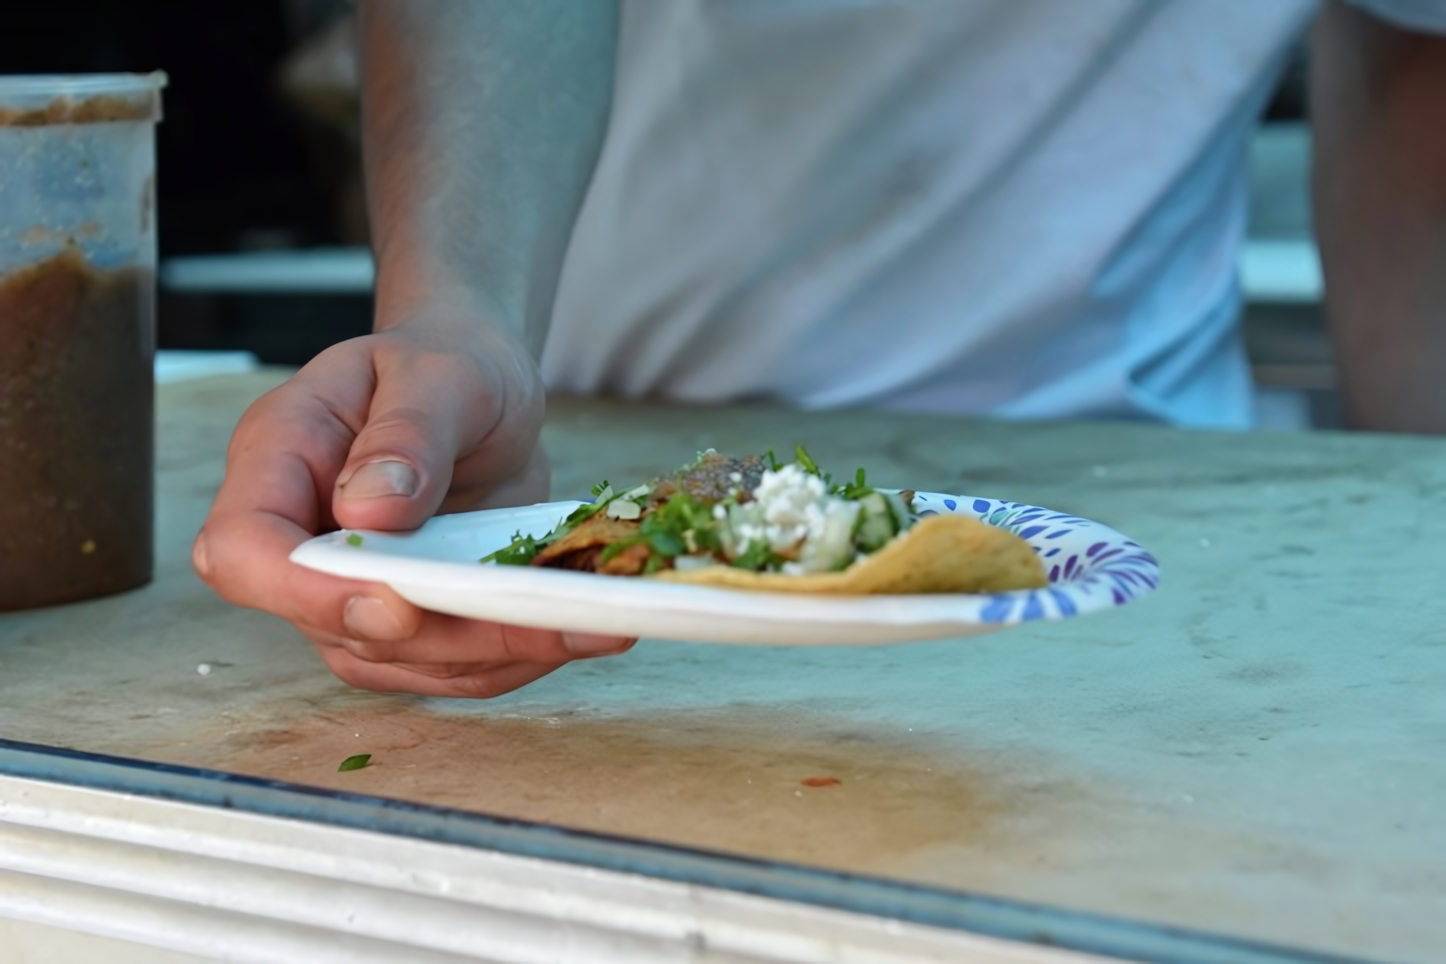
x=1377 y=96
x=482 y=120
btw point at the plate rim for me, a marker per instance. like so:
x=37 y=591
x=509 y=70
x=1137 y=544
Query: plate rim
x=331 y=553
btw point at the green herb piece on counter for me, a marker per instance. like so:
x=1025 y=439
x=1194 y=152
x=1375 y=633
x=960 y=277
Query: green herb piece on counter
x=353 y=539
x=357 y=762
x=519 y=552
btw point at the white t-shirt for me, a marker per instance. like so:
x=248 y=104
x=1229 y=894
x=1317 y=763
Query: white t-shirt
x=1024 y=209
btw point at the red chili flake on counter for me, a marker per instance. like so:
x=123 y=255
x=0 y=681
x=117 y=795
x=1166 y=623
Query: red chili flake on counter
x=820 y=781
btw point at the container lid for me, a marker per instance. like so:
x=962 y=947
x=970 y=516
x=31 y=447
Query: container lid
x=38 y=100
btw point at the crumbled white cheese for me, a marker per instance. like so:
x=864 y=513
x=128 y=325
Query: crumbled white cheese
x=829 y=544
x=686 y=563
x=794 y=514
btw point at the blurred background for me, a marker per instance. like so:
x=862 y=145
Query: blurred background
x=262 y=216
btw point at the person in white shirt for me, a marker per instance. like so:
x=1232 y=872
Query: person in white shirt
x=1014 y=208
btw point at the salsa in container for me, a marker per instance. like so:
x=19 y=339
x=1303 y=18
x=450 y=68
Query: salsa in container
x=77 y=335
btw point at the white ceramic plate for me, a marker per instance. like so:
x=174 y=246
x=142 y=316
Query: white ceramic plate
x=1090 y=568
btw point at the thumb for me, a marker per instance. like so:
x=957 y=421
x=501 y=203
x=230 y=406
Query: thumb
x=400 y=465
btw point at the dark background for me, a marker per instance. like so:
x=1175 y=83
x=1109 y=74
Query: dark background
x=233 y=158
x=240 y=167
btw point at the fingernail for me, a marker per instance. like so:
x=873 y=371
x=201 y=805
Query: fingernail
x=377 y=479
x=367 y=617
x=591 y=644
x=200 y=558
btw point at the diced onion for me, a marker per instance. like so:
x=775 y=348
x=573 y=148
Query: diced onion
x=623 y=509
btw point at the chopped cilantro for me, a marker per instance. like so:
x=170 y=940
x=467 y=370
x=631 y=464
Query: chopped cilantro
x=758 y=556
x=806 y=462
x=578 y=516
x=523 y=549
x=353 y=539
x=519 y=552
x=357 y=762
x=683 y=524
x=602 y=494
x=666 y=543
x=854 y=490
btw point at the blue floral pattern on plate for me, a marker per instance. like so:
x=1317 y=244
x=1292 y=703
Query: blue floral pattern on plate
x=1090 y=567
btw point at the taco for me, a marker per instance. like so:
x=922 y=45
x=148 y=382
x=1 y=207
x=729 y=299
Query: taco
x=756 y=524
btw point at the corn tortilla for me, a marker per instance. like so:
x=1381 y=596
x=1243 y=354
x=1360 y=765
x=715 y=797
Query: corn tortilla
x=940 y=554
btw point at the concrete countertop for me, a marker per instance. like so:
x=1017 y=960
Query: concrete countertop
x=1257 y=750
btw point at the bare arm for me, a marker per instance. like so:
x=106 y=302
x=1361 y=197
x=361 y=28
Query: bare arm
x=483 y=119
x=482 y=122
x=1378 y=100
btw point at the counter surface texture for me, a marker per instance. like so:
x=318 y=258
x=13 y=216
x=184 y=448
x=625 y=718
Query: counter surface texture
x=1258 y=749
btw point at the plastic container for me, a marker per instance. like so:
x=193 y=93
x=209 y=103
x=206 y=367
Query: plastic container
x=77 y=335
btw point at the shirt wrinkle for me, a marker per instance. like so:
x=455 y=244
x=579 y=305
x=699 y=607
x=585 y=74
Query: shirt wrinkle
x=985 y=208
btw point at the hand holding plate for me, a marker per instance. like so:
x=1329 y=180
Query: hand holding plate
x=381 y=432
